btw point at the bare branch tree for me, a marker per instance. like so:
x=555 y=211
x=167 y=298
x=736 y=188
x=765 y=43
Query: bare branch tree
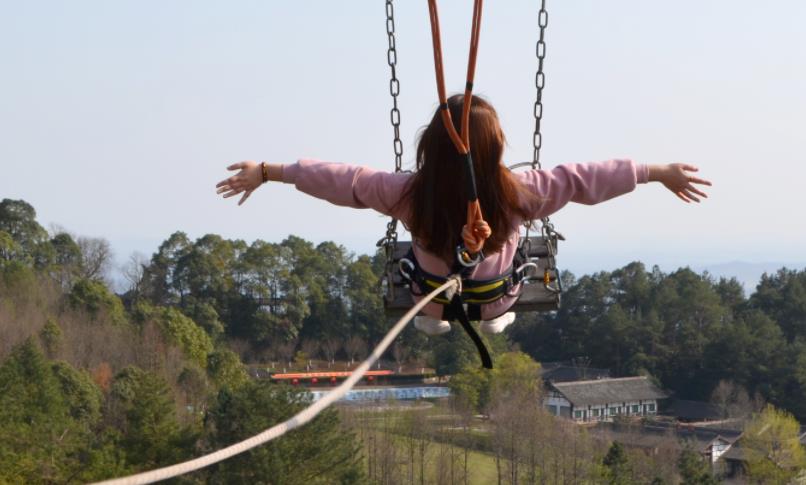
x=400 y=354
x=310 y=348
x=734 y=402
x=96 y=255
x=242 y=347
x=286 y=351
x=355 y=347
x=330 y=348
x=133 y=271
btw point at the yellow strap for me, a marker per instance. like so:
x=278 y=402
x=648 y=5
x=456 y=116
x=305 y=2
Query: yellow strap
x=480 y=302
x=485 y=288
x=478 y=289
x=474 y=301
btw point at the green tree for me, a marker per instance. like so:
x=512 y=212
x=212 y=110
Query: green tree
x=366 y=308
x=96 y=299
x=206 y=269
x=617 y=469
x=51 y=337
x=67 y=261
x=470 y=387
x=782 y=296
x=515 y=376
x=82 y=396
x=144 y=411
x=454 y=351
x=693 y=469
x=273 y=304
x=772 y=450
x=179 y=330
x=47 y=412
x=205 y=316
x=225 y=369
x=18 y=219
x=321 y=452
x=9 y=249
x=159 y=279
x=326 y=281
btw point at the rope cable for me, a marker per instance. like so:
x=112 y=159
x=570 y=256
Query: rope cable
x=477 y=230
x=298 y=419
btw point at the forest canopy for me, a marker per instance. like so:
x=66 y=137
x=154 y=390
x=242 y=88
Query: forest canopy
x=117 y=382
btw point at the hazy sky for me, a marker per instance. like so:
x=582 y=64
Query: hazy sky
x=117 y=118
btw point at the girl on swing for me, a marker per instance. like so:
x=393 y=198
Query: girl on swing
x=431 y=201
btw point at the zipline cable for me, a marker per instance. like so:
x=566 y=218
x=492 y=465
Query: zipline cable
x=452 y=285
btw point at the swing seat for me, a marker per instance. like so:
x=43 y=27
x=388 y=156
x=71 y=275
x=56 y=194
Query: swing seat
x=534 y=297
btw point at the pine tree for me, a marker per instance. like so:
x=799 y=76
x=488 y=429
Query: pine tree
x=617 y=465
x=321 y=452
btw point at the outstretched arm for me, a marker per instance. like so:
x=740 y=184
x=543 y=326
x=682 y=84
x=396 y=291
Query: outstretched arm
x=592 y=183
x=338 y=183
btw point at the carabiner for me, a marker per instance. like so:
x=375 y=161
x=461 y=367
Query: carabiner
x=467 y=259
x=400 y=266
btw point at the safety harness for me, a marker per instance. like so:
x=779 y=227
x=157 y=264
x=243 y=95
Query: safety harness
x=464 y=305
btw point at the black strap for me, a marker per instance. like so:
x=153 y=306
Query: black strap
x=473 y=312
x=456 y=311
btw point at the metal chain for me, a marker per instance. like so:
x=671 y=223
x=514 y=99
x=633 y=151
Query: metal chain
x=547 y=229
x=389 y=241
x=394 y=84
x=540 y=81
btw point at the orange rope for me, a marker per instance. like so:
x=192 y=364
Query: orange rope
x=476 y=231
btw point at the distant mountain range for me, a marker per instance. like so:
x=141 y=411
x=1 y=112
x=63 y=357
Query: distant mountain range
x=749 y=274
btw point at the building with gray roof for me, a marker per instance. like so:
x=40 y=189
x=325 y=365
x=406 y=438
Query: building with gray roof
x=604 y=399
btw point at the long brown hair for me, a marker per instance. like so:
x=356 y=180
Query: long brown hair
x=436 y=194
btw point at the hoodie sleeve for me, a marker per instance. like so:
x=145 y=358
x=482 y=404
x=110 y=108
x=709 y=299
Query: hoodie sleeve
x=584 y=183
x=349 y=185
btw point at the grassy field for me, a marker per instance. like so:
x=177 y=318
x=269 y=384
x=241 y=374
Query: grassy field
x=393 y=438
x=480 y=466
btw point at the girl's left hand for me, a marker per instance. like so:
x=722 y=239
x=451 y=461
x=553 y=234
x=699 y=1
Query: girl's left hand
x=247 y=180
x=677 y=178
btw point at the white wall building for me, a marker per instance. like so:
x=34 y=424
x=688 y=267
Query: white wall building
x=603 y=399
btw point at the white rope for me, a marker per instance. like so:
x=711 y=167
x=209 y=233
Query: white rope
x=297 y=420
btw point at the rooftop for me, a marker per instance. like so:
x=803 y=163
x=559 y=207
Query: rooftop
x=605 y=391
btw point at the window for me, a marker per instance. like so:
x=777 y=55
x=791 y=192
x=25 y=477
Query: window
x=596 y=413
x=636 y=409
x=652 y=408
x=577 y=414
x=613 y=411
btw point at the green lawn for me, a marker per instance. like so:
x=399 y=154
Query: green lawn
x=481 y=466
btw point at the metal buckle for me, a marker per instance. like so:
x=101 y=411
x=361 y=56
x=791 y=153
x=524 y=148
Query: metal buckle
x=406 y=262
x=466 y=259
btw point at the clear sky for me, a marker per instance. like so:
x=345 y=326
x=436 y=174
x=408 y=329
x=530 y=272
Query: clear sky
x=117 y=118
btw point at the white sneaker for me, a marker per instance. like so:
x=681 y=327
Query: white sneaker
x=497 y=325
x=430 y=325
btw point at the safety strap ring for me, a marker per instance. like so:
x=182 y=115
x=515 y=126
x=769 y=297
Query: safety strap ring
x=466 y=259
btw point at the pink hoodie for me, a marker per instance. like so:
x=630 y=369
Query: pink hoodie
x=363 y=187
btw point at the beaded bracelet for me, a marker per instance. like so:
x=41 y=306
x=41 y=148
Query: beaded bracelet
x=265 y=169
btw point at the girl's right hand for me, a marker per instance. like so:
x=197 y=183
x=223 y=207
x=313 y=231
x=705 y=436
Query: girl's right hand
x=678 y=179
